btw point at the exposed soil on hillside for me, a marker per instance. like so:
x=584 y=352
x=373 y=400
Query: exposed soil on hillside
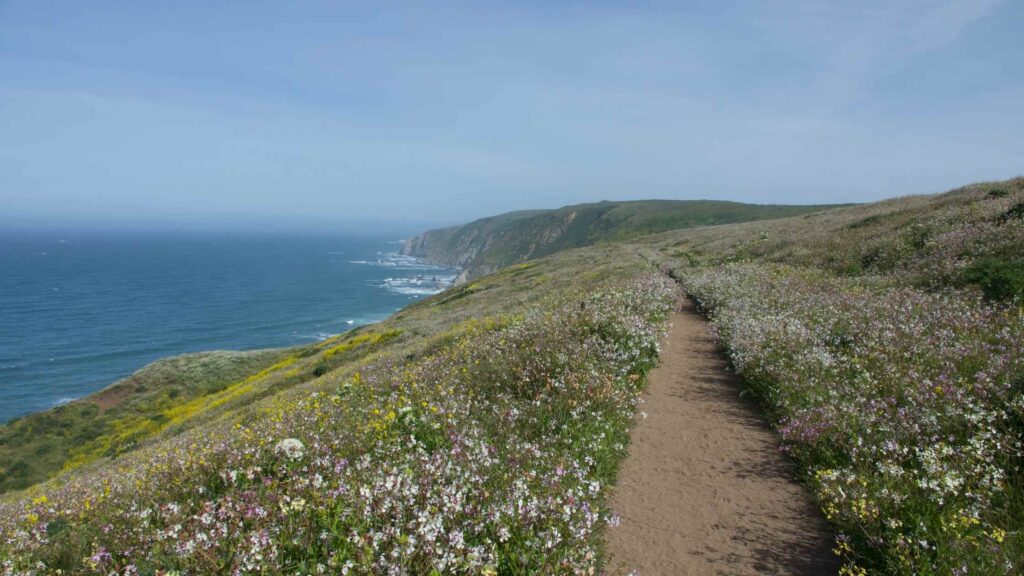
x=704 y=489
x=113 y=395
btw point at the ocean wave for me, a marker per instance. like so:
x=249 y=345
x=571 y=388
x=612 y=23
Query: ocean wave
x=424 y=280
x=311 y=336
x=399 y=261
x=416 y=291
x=418 y=285
x=363 y=320
x=347 y=325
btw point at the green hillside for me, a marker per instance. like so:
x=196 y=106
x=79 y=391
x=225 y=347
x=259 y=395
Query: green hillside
x=886 y=343
x=112 y=421
x=489 y=244
x=453 y=410
x=968 y=236
x=477 y=431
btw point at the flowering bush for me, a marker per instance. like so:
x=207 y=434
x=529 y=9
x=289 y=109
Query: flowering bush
x=488 y=453
x=905 y=408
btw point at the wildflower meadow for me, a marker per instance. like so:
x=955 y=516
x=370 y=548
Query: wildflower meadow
x=904 y=408
x=488 y=451
x=477 y=432
x=886 y=343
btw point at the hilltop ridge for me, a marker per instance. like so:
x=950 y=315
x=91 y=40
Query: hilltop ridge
x=489 y=244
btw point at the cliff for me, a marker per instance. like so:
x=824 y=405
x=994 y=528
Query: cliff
x=489 y=244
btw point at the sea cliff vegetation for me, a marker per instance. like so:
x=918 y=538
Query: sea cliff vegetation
x=478 y=435
x=36 y=446
x=489 y=244
x=475 y=432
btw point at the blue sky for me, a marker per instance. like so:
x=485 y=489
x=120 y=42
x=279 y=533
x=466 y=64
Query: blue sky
x=314 y=112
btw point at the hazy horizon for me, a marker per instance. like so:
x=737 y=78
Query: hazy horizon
x=232 y=223
x=190 y=116
x=229 y=224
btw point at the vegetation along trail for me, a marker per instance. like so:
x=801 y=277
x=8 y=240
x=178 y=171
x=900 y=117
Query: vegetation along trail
x=704 y=489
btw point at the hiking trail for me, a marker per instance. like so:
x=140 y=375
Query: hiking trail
x=704 y=489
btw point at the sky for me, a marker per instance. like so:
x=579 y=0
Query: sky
x=311 y=113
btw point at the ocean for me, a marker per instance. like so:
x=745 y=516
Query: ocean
x=81 y=311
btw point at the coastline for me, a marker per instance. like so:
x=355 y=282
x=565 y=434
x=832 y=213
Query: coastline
x=53 y=363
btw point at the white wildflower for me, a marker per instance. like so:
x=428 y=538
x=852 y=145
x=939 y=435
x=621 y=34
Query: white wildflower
x=292 y=448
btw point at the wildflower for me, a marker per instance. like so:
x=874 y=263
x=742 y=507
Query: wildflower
x=475 y=476
x=291 y=448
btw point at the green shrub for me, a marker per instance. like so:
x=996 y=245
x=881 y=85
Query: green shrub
x=307 y=351
x=916 y=236
x=997 y=193
x=999 y=278
x=321 y=368
x=1015 y=213
x=870 y=220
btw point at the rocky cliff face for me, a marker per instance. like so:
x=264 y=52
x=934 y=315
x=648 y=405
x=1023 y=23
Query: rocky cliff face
x=486 y=245
x=446 y=246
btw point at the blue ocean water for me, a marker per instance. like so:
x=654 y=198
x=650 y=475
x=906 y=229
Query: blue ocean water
x=80 y=311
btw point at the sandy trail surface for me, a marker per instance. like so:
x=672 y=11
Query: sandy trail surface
x=704 y=489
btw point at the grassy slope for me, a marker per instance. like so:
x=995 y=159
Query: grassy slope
x=162 y=400
x=178 y=393
x=971 y=235
x=36 y=446
x=886 y=342
x=479 y=342
x=968 y=237
x=492 y=243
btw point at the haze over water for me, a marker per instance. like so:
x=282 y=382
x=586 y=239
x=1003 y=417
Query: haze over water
x=80 y=311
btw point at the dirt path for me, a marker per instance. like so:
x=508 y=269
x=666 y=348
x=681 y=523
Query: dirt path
x=704 y=489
